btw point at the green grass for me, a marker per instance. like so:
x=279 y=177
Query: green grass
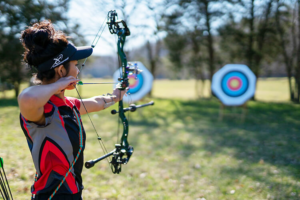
x=181 y=151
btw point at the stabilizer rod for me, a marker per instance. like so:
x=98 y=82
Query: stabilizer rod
x=133 y=107
x=91 y=163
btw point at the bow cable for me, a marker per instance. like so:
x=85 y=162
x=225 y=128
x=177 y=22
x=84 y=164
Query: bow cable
x=95 y=41
x=101 y=143
x=93 y=45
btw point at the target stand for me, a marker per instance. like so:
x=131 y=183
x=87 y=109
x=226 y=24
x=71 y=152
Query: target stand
x=234 y=85
x=238 y=111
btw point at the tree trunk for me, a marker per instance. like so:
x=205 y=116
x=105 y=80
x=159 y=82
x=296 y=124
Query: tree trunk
x=263 y=29
x=288 y=61
x=198 y=94
x=210 y=43
x=17 y=88
x=297 y=70
x=152 y=63
x=250 y=52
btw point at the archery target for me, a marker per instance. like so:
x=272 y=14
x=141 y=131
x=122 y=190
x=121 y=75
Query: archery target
x=135 y=83
x=139 y=85
x=234 y=84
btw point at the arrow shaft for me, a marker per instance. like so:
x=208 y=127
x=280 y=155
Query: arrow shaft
x=96 y=83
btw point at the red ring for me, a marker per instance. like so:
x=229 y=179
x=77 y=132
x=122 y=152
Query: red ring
x=239 y=85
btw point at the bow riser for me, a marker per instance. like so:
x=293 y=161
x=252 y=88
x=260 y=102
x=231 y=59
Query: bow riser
x=124 y=80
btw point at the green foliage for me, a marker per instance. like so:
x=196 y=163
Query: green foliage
x=251 y=40
x=185 y=38
x=176 y=42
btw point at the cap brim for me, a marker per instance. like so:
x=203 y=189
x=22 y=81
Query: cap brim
x=82 y=52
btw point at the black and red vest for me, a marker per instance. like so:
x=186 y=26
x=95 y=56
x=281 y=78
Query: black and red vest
x=55 y=145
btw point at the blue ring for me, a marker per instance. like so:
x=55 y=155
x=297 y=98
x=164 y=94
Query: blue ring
x=239 y=92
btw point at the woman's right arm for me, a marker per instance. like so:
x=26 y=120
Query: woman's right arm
x=32 y=99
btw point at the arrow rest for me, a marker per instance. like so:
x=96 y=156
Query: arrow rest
x=133 y=70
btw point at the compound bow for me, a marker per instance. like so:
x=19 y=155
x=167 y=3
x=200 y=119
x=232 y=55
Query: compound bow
x=123 y=151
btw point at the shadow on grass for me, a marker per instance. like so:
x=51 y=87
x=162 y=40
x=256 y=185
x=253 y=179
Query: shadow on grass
x=8 y=102
x=270 y=134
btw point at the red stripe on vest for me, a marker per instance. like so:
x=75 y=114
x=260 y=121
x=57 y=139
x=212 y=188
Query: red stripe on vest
x=52 y=159
x=48 y=108
x=25 y=126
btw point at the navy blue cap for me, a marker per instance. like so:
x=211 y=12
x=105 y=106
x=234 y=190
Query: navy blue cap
x=68 y=54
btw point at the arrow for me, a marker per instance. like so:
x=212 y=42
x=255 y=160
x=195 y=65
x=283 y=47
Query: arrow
x=81 y=83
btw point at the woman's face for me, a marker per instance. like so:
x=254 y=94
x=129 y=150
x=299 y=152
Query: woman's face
x=73 y=71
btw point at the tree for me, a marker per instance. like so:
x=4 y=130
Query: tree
x=203 y=14
x=16 y=16
x=288 y=29
x=288 y=54
x=154 y=38
x=197 y=17
x=252 y=39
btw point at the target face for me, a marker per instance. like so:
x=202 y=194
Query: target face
x=234 y=84
x=139 y=85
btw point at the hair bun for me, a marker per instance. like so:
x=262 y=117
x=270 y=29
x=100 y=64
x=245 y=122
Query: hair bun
x=41 y=42
x=37 y=37
x=41 y=38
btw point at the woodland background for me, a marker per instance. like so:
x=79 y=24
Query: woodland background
x=182 y=150
x=182 y=39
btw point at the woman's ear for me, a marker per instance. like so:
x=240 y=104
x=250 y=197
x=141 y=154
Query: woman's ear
x=60 y=71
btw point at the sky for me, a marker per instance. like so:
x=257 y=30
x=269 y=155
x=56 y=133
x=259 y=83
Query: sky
x=90 y=15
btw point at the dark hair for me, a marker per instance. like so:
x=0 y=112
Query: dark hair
x=42 y=42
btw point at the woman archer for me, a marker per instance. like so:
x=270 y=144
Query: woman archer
x=50 y=121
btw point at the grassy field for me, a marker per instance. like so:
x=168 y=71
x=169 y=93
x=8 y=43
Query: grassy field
x=181 y=150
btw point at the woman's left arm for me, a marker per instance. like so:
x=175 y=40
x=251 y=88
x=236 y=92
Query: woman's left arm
x=99 y=103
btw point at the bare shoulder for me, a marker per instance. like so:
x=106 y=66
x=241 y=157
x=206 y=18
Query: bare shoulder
x=30 y=109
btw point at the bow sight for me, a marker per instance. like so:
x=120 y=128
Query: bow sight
x=122 y=152
x=113 y=24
